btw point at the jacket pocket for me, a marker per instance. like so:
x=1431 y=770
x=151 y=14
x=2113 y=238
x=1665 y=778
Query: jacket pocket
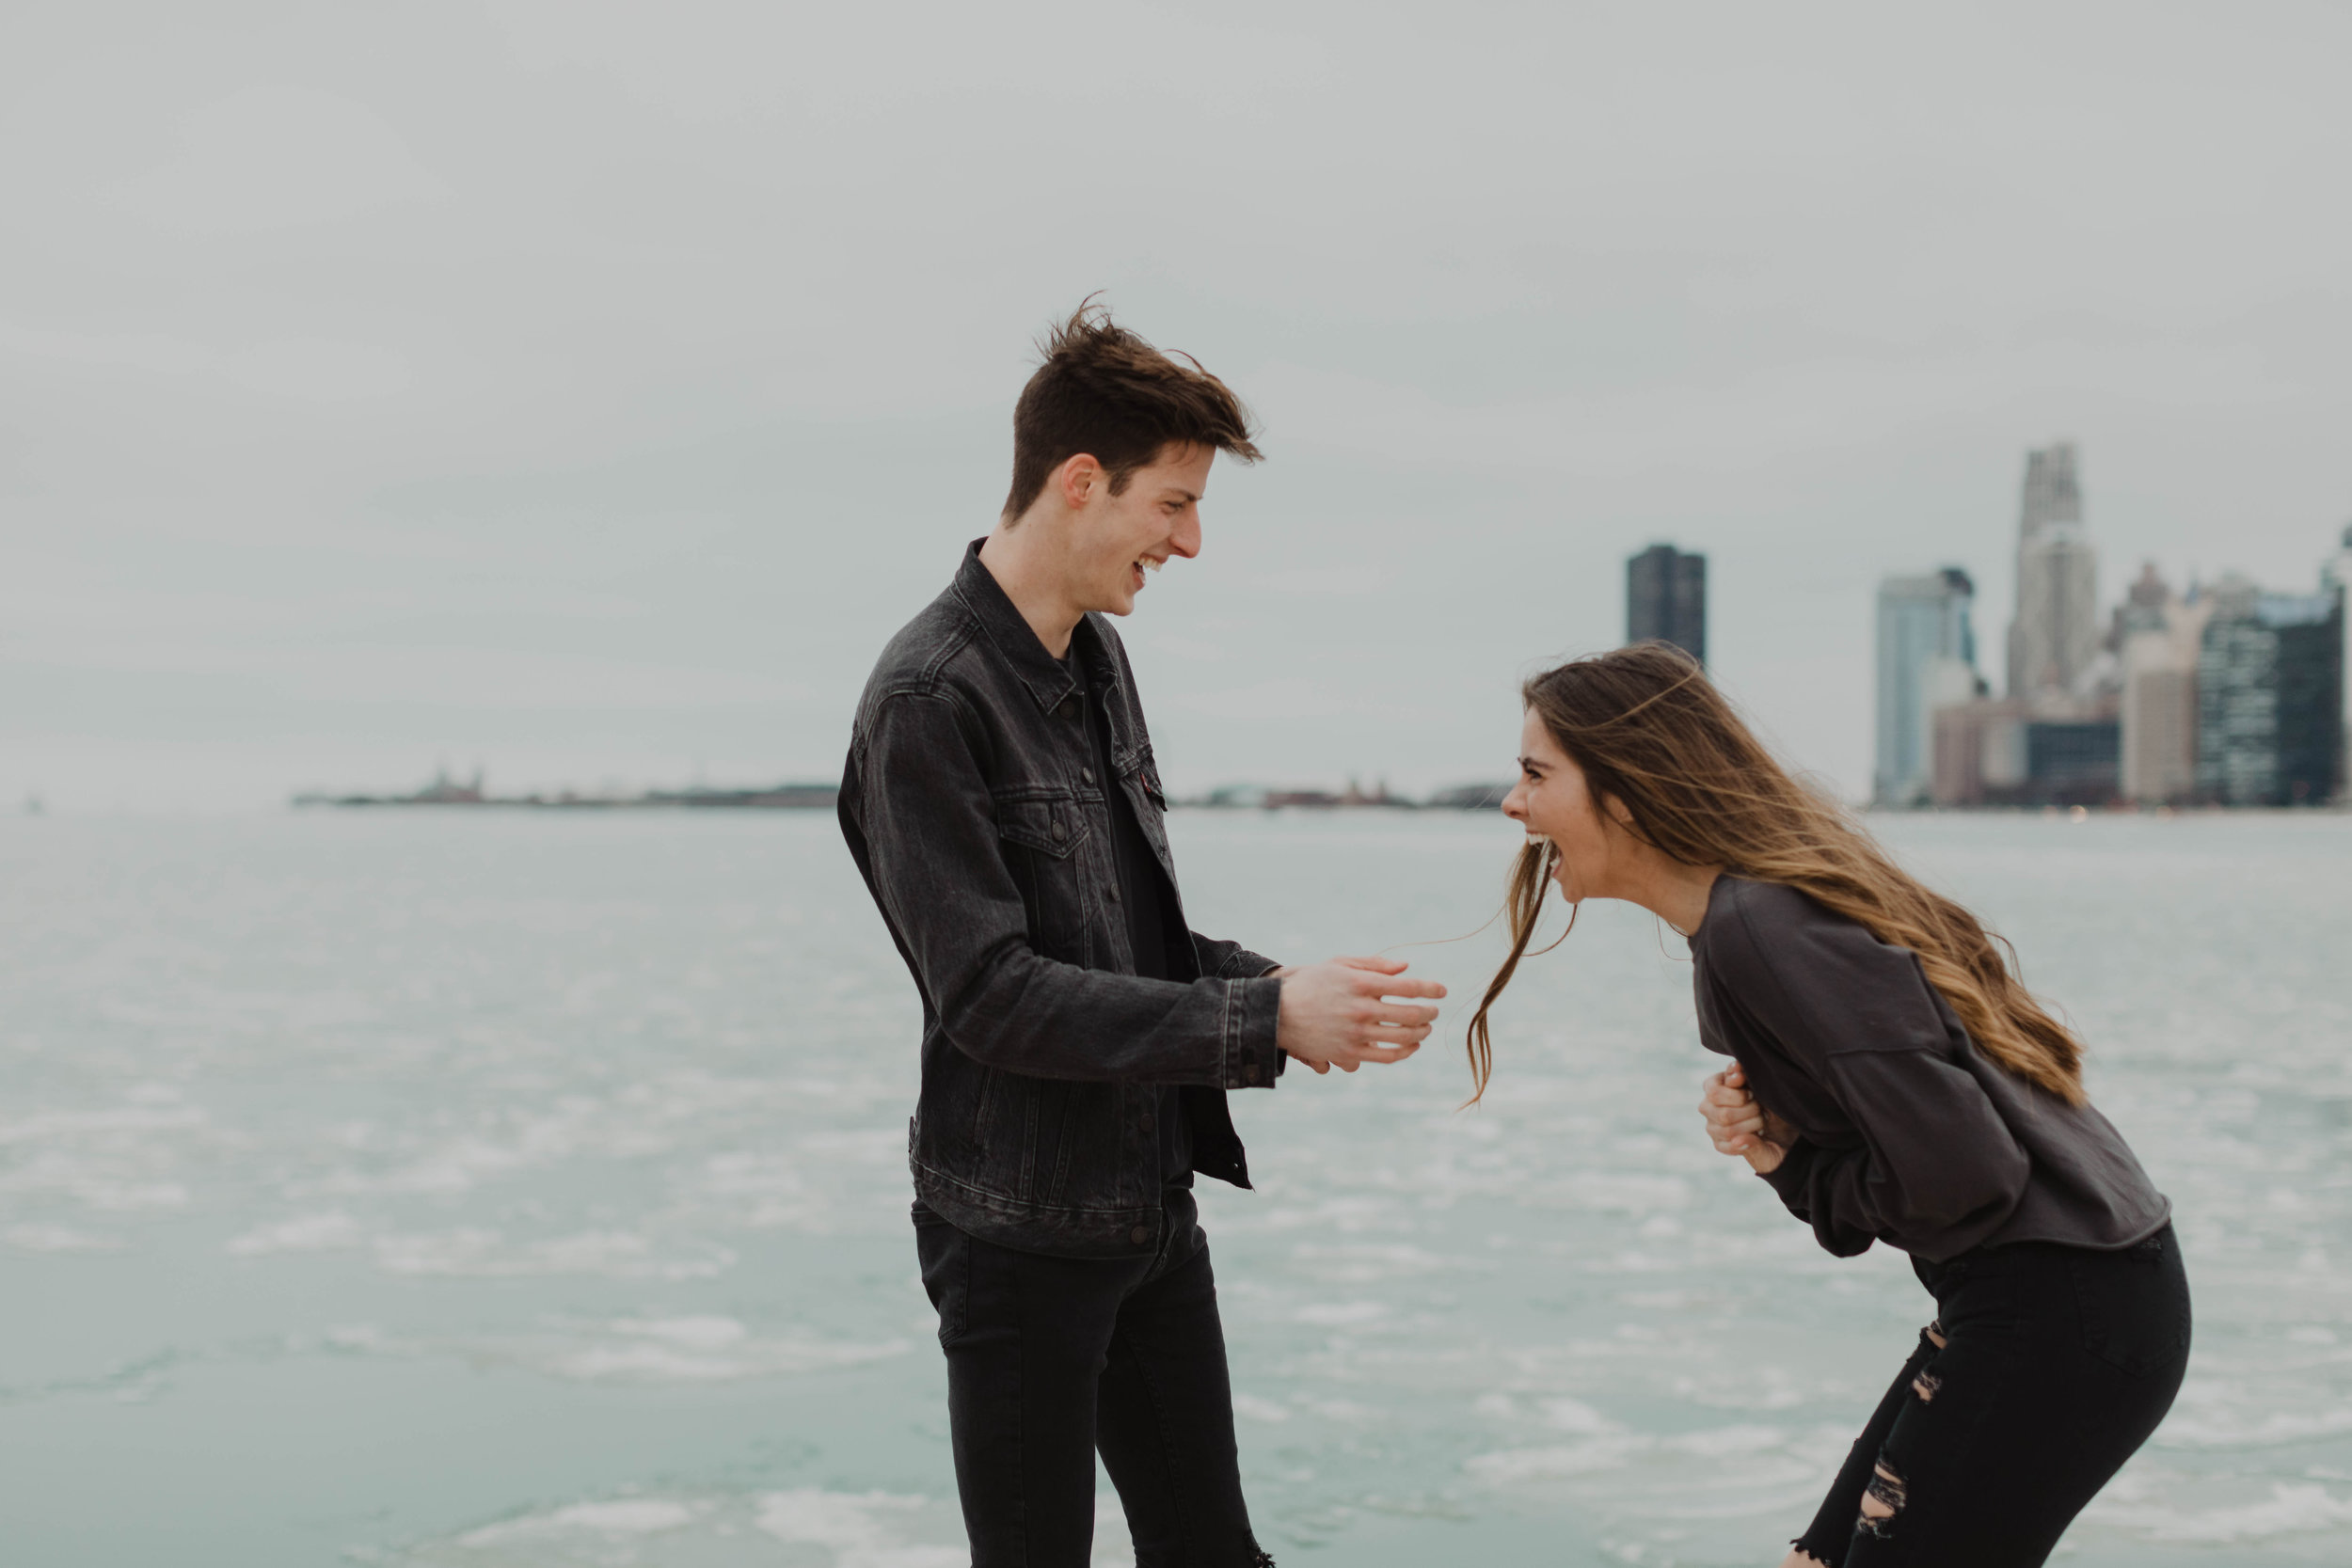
x=1042 y=834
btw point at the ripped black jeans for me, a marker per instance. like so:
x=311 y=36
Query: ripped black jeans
x=2046 y=1368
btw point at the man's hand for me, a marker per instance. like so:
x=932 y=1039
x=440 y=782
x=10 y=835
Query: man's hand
x=1735 y=1124
x=1338 y=1013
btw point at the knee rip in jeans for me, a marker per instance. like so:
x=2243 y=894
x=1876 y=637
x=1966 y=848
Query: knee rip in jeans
x=1264 y=1559
x=1881 y=1503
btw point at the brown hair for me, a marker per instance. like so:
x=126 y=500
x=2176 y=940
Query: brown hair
x=1103 y=391
x=1651 y=732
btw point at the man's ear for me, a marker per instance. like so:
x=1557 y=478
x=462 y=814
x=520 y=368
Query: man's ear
x=1080 y=479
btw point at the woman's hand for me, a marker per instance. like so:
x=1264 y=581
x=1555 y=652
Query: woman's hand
x=1735 y=1124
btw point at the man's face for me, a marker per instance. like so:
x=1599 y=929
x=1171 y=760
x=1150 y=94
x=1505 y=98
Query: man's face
x=1120 y=540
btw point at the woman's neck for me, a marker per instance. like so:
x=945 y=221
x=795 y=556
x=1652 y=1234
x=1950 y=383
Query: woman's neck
x=1675 y=893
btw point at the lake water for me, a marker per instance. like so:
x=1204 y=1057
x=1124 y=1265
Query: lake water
x=473 y=1190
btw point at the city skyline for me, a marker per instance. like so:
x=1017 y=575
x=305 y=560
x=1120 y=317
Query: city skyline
x=2226 y=694
x=498 y=386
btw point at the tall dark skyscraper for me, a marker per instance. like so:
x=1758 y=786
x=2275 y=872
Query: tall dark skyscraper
x=1665 y=599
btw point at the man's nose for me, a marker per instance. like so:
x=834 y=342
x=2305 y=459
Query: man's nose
x=1185 y=539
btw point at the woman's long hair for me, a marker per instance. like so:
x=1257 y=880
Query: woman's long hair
x=1651 y=732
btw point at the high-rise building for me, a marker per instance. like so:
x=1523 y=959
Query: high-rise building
x=2336 y=574
x=1927 y=660
x=1665 y=599
x=2270 y=697
x=2055 y=636
x=2160 y=636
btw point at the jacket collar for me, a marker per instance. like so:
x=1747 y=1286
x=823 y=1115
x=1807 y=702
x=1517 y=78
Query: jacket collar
x=1048 y=679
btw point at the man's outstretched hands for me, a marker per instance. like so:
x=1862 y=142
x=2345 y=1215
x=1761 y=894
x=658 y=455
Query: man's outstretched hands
x=1735 y=1124
x=1338 y=1013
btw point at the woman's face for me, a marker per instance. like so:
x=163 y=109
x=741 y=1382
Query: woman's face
x=1551 y=801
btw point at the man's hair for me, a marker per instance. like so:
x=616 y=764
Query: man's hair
x=1104 y=391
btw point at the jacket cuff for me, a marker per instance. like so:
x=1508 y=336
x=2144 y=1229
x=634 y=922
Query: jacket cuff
x=1252 y=1058
x=1242 y=964
x=1792 y=1178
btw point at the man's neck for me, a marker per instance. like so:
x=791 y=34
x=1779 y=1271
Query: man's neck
x=1018 y=561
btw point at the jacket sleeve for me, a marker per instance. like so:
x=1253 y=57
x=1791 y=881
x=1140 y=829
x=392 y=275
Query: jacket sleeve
x=1937 y=1170
x=1231 y=960
x=931 y=854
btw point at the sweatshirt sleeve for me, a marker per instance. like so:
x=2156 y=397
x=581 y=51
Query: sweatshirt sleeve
x=927 y=838
x=1937 y=1170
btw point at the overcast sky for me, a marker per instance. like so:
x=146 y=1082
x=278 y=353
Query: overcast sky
x=587 y=391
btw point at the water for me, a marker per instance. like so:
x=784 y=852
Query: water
x=477 y=1189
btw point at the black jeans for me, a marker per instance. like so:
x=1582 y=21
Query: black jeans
x=1052 y=1360
x=2045 y=1370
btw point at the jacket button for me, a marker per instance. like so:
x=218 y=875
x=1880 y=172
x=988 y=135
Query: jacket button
x=1086 y=773
x=1140 y=1234
x=1113 y=891
x=1060 y=832
x=1147 y=1121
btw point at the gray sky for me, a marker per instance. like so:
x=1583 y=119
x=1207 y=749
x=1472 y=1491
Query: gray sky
x=588 y=391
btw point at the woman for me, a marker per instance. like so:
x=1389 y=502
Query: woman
x=1893 y=1083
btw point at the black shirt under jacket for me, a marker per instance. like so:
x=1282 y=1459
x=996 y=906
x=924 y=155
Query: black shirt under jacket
x=1141 y=890
x=1909 y=1134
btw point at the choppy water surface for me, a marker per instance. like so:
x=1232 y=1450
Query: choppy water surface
x=473 y=1190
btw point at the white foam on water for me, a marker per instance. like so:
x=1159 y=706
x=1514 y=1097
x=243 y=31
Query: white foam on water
x=1252 y=1408
x=695 y=1333
x=2291 y=1508
x=114 y=1181
x=326 y=1233
x=1516 y=1466
x=1568 y=1415
x=1734 y=1455
x=2268 y=1431
x=622 y=1517
x=1349 y=1412
x=480 y=1253
x=76 y=1126
x=1343 y=1314
x=862 y=1529
x=1370 y=1262
x=1752 y=1389
x=56 y=1238
x=1723 y=1442
x=703 y=1349
x=116 y=1159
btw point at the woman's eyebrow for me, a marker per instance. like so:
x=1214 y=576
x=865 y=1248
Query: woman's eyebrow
x=1531 y=765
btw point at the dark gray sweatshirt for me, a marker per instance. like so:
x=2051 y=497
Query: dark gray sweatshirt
x=1909 y=1134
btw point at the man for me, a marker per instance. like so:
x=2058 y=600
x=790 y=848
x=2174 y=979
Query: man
x=1002 y=804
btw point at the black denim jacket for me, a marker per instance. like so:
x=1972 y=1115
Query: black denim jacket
x=970 y=803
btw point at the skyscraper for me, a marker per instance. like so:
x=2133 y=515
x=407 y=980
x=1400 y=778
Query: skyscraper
x=2270 y=697
x=2054 y=635
x=2336 y=575
x=2160 y=636
x=1665 y=599
x=1927 y=660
